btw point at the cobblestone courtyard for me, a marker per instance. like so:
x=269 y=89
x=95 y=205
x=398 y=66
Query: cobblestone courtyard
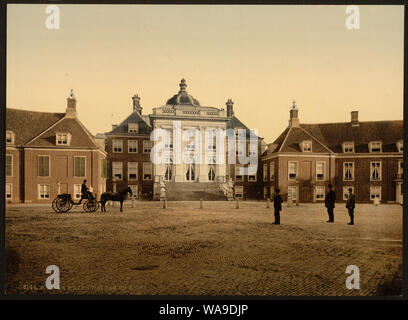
x=218 y=250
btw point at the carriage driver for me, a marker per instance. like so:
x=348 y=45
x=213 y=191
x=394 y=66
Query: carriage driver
x=85 y=193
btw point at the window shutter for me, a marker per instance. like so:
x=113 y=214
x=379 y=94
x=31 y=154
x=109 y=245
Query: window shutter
x=8 y=166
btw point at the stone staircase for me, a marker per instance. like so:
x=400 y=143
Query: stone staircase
x=194 y=191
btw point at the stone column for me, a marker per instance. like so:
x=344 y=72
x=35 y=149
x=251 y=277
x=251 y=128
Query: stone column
x=178 y=168
x=203 y=166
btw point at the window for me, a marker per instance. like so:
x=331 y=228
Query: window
x=306 y=146
x=319 y=193
x=43 y=191
x=375 y=146
x=375 y=192
x=265 y=172
x=400 y=146
x=292 y=170
x=132 y=146
x=77 y=191
x=134 y=189
x=147 y=146
x=43 y=166
x=272 y=171
x=238 y=191
x=348 y=171
x=63 y=138
x=238 y=173
x=348 y=147
x=104 y=169
x=9 y=137
x=375 y=170
x=211 y=141
x=346 y=192
x=79 y=166
x=132 y=170
x=147 y=170
x=117 y=170
x=168 y=146
x=133 y=127
x=292 y=192
x=265 y=192
x=9 y=190
x=168 y=173
x=252 y=177
x=320 y=170
x=117 y=145
x=240 y=152
x=9 y=165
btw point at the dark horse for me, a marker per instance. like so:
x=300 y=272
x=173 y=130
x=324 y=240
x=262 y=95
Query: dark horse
x=118 y=196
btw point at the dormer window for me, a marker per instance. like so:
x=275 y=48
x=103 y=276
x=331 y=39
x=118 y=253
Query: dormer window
x=133 y=127
x=400 y=146
x=306 y=146
x=348 y=147
x=9 y=137
x=375 y=146
x=63 y=138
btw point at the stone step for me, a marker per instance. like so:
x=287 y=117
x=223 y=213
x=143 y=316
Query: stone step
x=191 y=191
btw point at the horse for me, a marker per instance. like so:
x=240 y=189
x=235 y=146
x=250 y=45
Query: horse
x=118 y=196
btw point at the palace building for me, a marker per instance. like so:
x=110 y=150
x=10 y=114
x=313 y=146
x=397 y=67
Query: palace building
x=51 y=153
x=364 y=156
x=129 y=146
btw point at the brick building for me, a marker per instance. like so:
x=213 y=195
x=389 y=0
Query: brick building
x=128 y=145
x=245 y=186
x=364 y=156
x=51 y=153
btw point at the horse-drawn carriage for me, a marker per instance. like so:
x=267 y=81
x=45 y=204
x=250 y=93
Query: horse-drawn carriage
x=64 y=202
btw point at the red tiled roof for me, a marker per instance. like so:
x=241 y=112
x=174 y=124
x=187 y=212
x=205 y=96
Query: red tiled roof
x=80 y=137
x=278 y=142
x=297 y=135
x=332 y=136
x=134 y=117
x=28 y=124
x=38 y=129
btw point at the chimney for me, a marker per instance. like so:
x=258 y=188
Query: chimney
x=354 y=118
x=114 y=126
x=294 y=120
x=230 y=108
x=71 y=105
x=136 y=104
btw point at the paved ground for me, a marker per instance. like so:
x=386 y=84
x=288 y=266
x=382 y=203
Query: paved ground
x=218 y=250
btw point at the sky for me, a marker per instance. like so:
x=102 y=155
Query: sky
x=262 y=57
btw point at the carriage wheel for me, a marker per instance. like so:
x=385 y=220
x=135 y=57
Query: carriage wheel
x=54 y=205
x=61 y=205
x=91 y=206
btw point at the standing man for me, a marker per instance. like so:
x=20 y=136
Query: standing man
x=277 y=204
x=329 y=203
x=350 y=205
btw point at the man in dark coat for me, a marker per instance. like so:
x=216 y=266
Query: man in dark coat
x=350 y=205
x=329 y=203
x=84 y=191
x=277 y=204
